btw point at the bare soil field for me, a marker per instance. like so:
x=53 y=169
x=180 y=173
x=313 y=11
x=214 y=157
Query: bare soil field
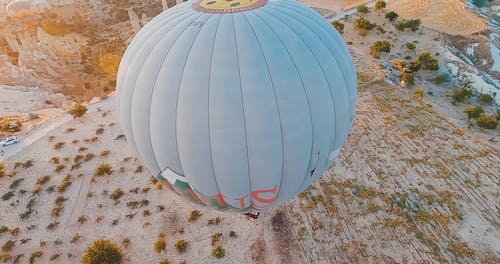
x=449 y=16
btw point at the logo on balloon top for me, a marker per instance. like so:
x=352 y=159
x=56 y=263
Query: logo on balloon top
x=227 y=6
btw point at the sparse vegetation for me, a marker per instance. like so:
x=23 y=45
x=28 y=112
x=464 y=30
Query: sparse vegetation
x=103 y=251
x=419 y=92
x=363 y=23
x=66 y=182
x=411 y=46
x=3 y=170
x=77 y=110
x=442 y=78
x=407 y=78
x=428 y=62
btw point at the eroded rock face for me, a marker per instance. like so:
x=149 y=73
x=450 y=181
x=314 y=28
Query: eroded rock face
x=15 y=75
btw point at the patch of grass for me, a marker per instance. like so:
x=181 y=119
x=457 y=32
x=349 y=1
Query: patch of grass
x=59 y=145
x=66 y=182
x=218 y=252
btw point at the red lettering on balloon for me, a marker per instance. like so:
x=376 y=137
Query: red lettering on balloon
x=220 y=199
x=242 y=201
x=256 y=195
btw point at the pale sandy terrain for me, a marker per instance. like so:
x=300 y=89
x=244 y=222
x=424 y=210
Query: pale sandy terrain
x=409 y=187
x=449 y=16
x=335 y=4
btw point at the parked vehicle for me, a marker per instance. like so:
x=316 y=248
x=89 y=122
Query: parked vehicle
x=9 y=141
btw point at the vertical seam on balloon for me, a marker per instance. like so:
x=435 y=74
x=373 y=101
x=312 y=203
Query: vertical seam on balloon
x=177 y=99
x=293 y=8
x=275 y=100
x=243 y=109
x=134 y=90
x=208 y=104
x=301 y=82
x=324 y=77
x=133 y=44
x=151 y=96
x=332 y=53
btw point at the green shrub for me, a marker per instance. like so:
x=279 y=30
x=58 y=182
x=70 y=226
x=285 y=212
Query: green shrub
x=441 y=79
x=411 y=46
x=339 y=26
x=380 y=4
x=408 y=78
x=487 y=122
x=428 y=62
x=363 y=9
x=474 y=112
x=412 y=24
x=380 y=46
x=486 y=98
x=363 y=23
x=218 y=251
x=103 y=251
x=461 y=93
x=391 y=16
x=415 y=65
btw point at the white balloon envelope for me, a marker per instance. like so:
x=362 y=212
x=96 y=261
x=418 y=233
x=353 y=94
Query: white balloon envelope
x=237 y=104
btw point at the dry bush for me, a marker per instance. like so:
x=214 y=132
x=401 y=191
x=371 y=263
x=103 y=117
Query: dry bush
x=82 y=219
x=104 y=153
x=218 y=252
x=160 y=243
x=194 y=215
x=125 y=242
x=75 y=238
x=181 y=246
x=8 y=246
x=59 y=168
x=43 y=180
x=117 y=194
x=35 y=255
x=3 y=170
x=7 y=195
x=59 y=145
x=216 y=238
x=214 y=221
x=66 y=182
x=103 y=169
x=146 y=213
x=103 y=251
x=77 y=110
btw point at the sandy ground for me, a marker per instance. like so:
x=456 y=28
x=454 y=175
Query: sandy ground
x=450 y=16
x=335 y=4
x=408 y=185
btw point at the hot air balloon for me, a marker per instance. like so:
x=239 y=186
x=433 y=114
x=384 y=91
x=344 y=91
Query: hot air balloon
x=237 y=104
x=21 y=9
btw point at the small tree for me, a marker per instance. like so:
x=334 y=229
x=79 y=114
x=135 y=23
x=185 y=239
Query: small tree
x=77 y=110
x=103 y=251
x=486 y=98
x=415 y=65
x=339 y=26
x=474 y=112
x=380 y=4
x=181 y=246
x=218 y=251
x=391 y=16
x=487 y=122
x=363 y=23
x=380 y=46
x=363 y=9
